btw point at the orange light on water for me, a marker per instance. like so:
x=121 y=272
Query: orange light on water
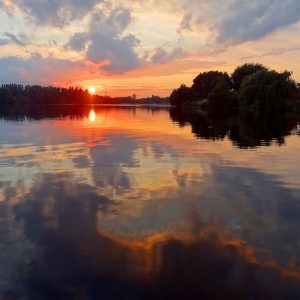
x=92 y=116
x=92 y=90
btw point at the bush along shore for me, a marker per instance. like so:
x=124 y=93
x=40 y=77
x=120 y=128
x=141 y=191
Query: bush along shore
x=251 y=87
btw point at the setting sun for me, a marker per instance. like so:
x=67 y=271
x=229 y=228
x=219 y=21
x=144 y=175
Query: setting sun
x=92 y=90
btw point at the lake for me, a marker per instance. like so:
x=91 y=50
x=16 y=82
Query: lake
x=147 y=203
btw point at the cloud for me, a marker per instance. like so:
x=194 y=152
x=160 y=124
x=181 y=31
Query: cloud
x=232 y=21
x=78 y=41
x=117 y=54
x=253 y=20
x=10 y=38
x=36 y=69
x=162 y=56
x=185 y=23
x=111 y=42
x=21 y=40
x=4 y=42
x=7 y=6
x=273 y=52
x=52 y=12
x=105 y=41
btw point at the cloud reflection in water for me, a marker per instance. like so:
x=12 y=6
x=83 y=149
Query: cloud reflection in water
x=133 y=214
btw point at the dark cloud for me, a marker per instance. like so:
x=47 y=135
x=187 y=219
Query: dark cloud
x=106 y=42
x=10 y=38
x=253 y=20
x=21 y=40
x=55 y=12
x=118 y=54
x=236 y=21
x=78 y=40
x=162 y=56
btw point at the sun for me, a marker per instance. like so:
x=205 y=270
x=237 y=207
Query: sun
x=92 y=90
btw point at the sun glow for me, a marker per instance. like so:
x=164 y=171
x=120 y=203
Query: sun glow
x=92 y=90
x=92 y=116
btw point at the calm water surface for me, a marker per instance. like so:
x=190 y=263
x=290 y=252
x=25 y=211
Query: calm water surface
x=123 y=203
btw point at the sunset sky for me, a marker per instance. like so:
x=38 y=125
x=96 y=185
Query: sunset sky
x=142 y=47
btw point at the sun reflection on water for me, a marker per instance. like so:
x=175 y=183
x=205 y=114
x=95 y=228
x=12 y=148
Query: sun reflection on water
x=92 y=116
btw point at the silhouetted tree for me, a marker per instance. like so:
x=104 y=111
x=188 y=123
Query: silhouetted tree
x=5 y=95
x=219 y=96
x=260 y=89
x=267 y=90
x=181 y=95
x=205 y=82
x=241 y=72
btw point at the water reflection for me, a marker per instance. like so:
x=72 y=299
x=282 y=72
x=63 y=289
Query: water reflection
x=92 y=116
x=246 y=130
x=77 y=259
x=135 y=207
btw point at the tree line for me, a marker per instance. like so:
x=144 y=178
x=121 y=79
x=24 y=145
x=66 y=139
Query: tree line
x=251 y=87
x=15 y=94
